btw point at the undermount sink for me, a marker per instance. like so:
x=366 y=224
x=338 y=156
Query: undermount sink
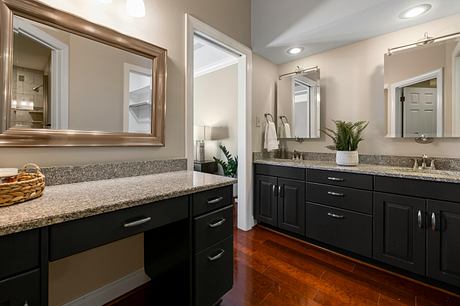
x=427 y=171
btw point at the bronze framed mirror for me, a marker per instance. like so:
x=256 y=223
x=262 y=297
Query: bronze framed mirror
x=66 y=81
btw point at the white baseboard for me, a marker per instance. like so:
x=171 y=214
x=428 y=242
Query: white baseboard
x=112 y=291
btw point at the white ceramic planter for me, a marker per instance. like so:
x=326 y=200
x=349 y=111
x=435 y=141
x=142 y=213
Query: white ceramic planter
x=347 y=158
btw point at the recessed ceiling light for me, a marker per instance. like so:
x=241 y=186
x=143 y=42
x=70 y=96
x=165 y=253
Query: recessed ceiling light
x=415 y=11
x=294 y=50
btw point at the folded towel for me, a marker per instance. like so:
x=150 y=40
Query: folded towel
x=287 y=130
x=271 y=141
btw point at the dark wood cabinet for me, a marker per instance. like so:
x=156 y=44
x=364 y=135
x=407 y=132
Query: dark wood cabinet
x=279 y=201
x=443 y=241
x=21 y=290
x=399 y=231
x=266 y=199
x=291 y=205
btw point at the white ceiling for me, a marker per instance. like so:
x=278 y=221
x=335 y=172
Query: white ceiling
x=209 y=57
x=319 y=25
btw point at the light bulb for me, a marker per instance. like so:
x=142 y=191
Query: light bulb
x=294 y=50
x=135 y=8
x=415 y=11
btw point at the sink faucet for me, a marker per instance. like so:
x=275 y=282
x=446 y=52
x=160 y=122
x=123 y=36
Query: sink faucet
x=424 y=163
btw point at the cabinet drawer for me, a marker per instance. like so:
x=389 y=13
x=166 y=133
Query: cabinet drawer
x=20 y=252
x=21 y=290
x=345 y=229
x=213 y=227
x=418 y=188
x=213 y=275
x=341 y=197
x=281 y=171
x=338 y=178
x=76 y=236
x=209 y=200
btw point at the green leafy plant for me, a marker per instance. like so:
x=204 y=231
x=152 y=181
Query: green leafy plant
x=230 y=167
x=347 y=135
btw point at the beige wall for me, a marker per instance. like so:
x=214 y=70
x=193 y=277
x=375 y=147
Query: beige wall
x=265 y=75
x=164 y=25
x=352 y=89
x=215 y=105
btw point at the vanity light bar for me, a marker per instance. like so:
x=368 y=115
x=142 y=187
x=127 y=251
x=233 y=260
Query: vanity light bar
x=299 y=71
x=423 y=42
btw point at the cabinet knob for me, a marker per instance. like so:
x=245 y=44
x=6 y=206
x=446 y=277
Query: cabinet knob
x=419 y=219
x=433 y=221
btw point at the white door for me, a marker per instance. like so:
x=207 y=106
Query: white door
x=420 y=112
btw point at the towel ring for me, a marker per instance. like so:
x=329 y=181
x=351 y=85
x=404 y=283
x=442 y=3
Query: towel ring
x=284 y=117
x=266 y=117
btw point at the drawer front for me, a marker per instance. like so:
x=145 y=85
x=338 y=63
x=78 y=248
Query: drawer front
x=21 y=290
x=418 y=188
x=281 y=171
x=20 y=252
x=213 y=227
x=345 y=229
x=213 y=273
x=341 y=197
x=337 y=178
x=76 y=236
x=213 y=199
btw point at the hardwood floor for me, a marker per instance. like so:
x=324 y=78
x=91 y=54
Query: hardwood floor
x=271 y=269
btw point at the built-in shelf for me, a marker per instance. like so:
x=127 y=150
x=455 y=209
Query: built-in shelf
x=139 y=104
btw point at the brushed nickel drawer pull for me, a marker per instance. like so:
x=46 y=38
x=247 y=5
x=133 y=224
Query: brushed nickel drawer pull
x=137 y=222
x=433 y=221
x=335 y=216
x=217 y=223
x=335 y=179
x=215 y=201
x=216 y=257
x=419 y=219
x=335 y=194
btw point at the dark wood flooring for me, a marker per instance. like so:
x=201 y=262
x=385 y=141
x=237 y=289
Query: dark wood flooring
x=272 y=269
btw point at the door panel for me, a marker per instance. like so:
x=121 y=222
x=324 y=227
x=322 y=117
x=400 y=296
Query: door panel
x=420 y=112
x=266 y=199
x=443 y=243
x=291 y=206
x=399 y=231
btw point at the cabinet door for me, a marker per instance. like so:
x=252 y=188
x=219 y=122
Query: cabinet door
x=21 y=290
x=443 y=242
x=291 y=206
x=266 y=199
x=399 y=231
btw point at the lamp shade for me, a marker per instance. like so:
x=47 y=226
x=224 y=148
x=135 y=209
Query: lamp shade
x=216 y=133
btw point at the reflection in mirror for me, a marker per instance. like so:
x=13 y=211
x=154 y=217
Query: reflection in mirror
x=422 y=90
x=298 y=105
x=65 y=81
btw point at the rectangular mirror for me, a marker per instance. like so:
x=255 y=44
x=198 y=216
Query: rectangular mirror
x=71 y=82
x=298 y=106
x=422 y=90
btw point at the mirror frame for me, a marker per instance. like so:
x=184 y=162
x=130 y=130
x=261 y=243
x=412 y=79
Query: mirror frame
x=47 y=15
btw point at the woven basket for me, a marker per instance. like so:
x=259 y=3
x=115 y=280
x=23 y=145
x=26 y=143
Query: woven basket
x=29 y=185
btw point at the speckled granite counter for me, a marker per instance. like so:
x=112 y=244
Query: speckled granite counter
x=402 y=172
x=73 y=201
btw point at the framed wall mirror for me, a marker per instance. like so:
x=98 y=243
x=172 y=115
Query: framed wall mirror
x=422 y=90
x=299 y=105
x=69 y=82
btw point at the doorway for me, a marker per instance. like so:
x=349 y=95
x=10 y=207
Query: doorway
x=241 y=58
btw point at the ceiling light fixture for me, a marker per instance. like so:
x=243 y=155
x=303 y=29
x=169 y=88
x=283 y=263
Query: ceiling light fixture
x=294 y=50
x=135 y=8
x=415 y=11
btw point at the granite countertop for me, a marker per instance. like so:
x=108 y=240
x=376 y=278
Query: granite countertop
x=74 y=201
x=401 y=172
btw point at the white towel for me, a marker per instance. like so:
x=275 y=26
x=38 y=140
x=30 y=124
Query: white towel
x=271 y=141
x=287 y=130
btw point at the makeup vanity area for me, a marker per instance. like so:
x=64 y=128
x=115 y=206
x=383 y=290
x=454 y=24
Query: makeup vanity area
x=57 y=70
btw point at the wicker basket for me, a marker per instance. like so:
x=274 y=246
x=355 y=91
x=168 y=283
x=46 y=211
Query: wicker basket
x=29 y=185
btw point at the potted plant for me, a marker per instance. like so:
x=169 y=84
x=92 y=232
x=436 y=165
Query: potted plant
x=230 y=167
x=346 y=138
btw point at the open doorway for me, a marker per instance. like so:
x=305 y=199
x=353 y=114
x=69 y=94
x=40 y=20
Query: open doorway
x=218 y=107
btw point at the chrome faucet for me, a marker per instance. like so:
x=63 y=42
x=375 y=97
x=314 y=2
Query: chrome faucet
x=424 y=165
